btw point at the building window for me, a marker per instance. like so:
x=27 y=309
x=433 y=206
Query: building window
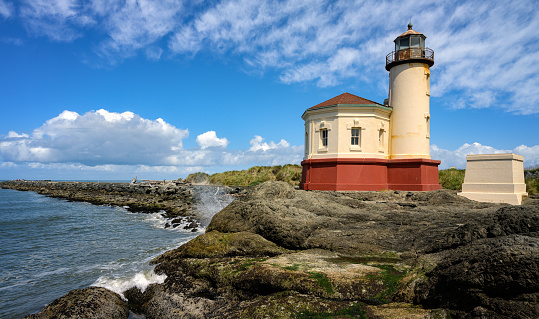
x=324 y=137
x=415 y=41
x=355 y=136
x=404 y=43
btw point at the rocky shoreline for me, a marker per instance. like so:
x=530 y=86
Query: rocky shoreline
x=278 y=252
x=176 y=200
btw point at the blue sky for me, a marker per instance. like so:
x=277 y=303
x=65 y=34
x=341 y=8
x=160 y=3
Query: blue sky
x=101 y=89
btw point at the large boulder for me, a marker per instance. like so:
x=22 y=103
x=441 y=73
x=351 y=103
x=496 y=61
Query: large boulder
x=351 y=223
x=493 y=277
x=87 y=303
x=214 y=244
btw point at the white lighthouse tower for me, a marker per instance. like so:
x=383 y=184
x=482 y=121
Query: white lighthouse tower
x=409 y=96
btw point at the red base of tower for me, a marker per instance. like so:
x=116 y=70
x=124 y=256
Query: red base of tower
x=370 y=174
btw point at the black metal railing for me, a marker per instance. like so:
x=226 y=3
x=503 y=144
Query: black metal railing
x=410 y=53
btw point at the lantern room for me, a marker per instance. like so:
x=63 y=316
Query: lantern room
x=410 y=46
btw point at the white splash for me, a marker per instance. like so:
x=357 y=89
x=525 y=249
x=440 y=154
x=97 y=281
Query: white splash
x=140 y=280
x=210 y=200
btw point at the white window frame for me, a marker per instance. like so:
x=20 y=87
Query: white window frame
x=356 y=124
x=355 y=138
x=322 y=125
x=324 y=133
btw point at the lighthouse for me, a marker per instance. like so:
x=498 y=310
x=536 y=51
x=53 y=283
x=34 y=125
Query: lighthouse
x=356 y=144
x=409 y=95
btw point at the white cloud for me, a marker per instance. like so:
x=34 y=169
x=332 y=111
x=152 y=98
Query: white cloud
x=210 y=139
x=107 y=144
x=154 y=53
x=480 y=62
x=95 y=138
x=13 y=134
x=138 y=24
x=260 y=153
x=59 y=20
x=485 y=53
x=258 y=144
x=457 y=158
x=8 y=165
x=6 y=9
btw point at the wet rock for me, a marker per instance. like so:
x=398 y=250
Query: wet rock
x=492 y=277
x=87 y=303
x=214 y=244
x=136 y=299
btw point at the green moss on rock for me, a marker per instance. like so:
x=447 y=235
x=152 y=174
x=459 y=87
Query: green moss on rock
x=216 y=244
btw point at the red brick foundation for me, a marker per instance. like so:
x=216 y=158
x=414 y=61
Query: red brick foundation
x=370 y=174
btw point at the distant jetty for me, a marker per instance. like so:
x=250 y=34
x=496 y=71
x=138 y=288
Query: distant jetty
x=175 y=199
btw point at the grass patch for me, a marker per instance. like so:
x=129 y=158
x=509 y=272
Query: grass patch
x=248 y=263
x=531 y=175
x=532 y=186
x=364 y=260
x=391 y=278
x=452 y=178
x=243 y=267
x=294 y=267
x=354 y=311
x=323 y=281
x=289 y=173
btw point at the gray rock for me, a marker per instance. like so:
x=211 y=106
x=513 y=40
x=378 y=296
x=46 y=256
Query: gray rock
x=87 y=303
x=493 y=277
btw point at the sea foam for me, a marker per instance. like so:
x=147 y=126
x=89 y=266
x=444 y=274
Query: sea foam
x=140 y=280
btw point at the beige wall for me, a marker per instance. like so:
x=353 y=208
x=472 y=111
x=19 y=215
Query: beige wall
x=339 y=120
x=409 y=97
x=497 y=178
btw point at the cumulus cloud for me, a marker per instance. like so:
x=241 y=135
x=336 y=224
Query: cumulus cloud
x=485 y=52
x=122 y=145
x=95 y=138
x=258 y=144
x=260 y=153
x=210 y=139
x=457 y=158
x=13 y=134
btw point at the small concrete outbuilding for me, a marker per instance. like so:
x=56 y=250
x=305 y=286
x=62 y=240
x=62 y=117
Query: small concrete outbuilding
x=495 y=178
x=352 y=143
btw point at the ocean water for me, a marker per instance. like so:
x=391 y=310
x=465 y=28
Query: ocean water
x=50 y=246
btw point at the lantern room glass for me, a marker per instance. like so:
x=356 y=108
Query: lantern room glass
x=414 y=41
x=411 y=41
